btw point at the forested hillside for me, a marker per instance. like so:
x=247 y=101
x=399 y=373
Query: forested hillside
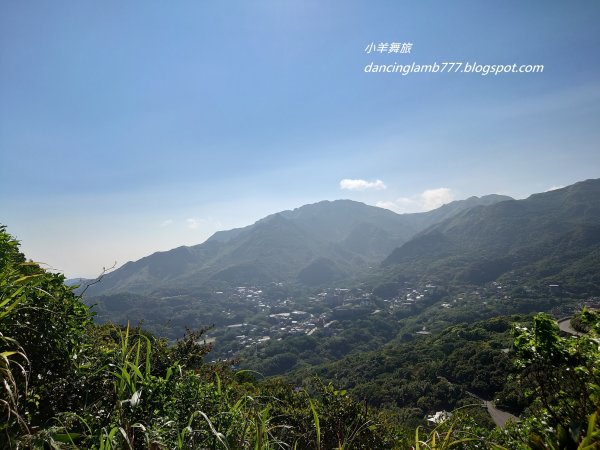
x=314 y=245
x=67 y=383
x=552 y=236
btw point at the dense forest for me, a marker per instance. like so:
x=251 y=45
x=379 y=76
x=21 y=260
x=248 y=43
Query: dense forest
x=68 y=383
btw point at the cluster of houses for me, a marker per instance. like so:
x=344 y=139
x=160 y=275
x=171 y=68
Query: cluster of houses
x=277 y=318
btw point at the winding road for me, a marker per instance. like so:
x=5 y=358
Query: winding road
x=565 y=325
x=499 y=417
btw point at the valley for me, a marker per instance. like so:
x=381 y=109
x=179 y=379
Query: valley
x=402 y=321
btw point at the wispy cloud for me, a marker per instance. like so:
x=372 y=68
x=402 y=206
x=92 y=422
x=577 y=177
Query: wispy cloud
x=553 y=188
x=362 y=185
x=425 y=201
x=166 y=223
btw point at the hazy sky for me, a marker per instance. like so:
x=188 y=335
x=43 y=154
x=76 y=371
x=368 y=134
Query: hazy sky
x=132 y=127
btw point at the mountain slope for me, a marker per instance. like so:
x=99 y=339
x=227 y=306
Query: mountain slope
x=314 y=244
x=545 y=235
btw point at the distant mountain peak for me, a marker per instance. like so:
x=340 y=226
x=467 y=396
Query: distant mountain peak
x=340 y=238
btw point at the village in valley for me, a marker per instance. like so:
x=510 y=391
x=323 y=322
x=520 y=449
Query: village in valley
x=330 y=310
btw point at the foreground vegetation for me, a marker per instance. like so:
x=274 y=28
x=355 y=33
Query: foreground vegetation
x=67 y=383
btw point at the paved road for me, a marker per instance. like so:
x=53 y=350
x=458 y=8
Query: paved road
x=565 y=325
x=498 y=416
x=501 y=417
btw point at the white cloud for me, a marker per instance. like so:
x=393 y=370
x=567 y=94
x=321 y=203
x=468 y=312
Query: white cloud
x=166 y=223
x=361 y=185
x=434 y=198
x=425 y=201
x=553 y=188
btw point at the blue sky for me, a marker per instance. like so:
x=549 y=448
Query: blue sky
x=131 y=128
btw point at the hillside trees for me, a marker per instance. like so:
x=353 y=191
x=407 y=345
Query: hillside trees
x=48 y=323
x=562 y=374
x=67 y=383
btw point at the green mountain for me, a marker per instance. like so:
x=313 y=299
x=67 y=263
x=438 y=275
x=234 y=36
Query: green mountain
x=315 y=244
x=553 y=236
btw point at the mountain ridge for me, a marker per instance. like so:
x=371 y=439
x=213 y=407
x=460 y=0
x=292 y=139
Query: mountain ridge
x=342 y=237
x=514 y=234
